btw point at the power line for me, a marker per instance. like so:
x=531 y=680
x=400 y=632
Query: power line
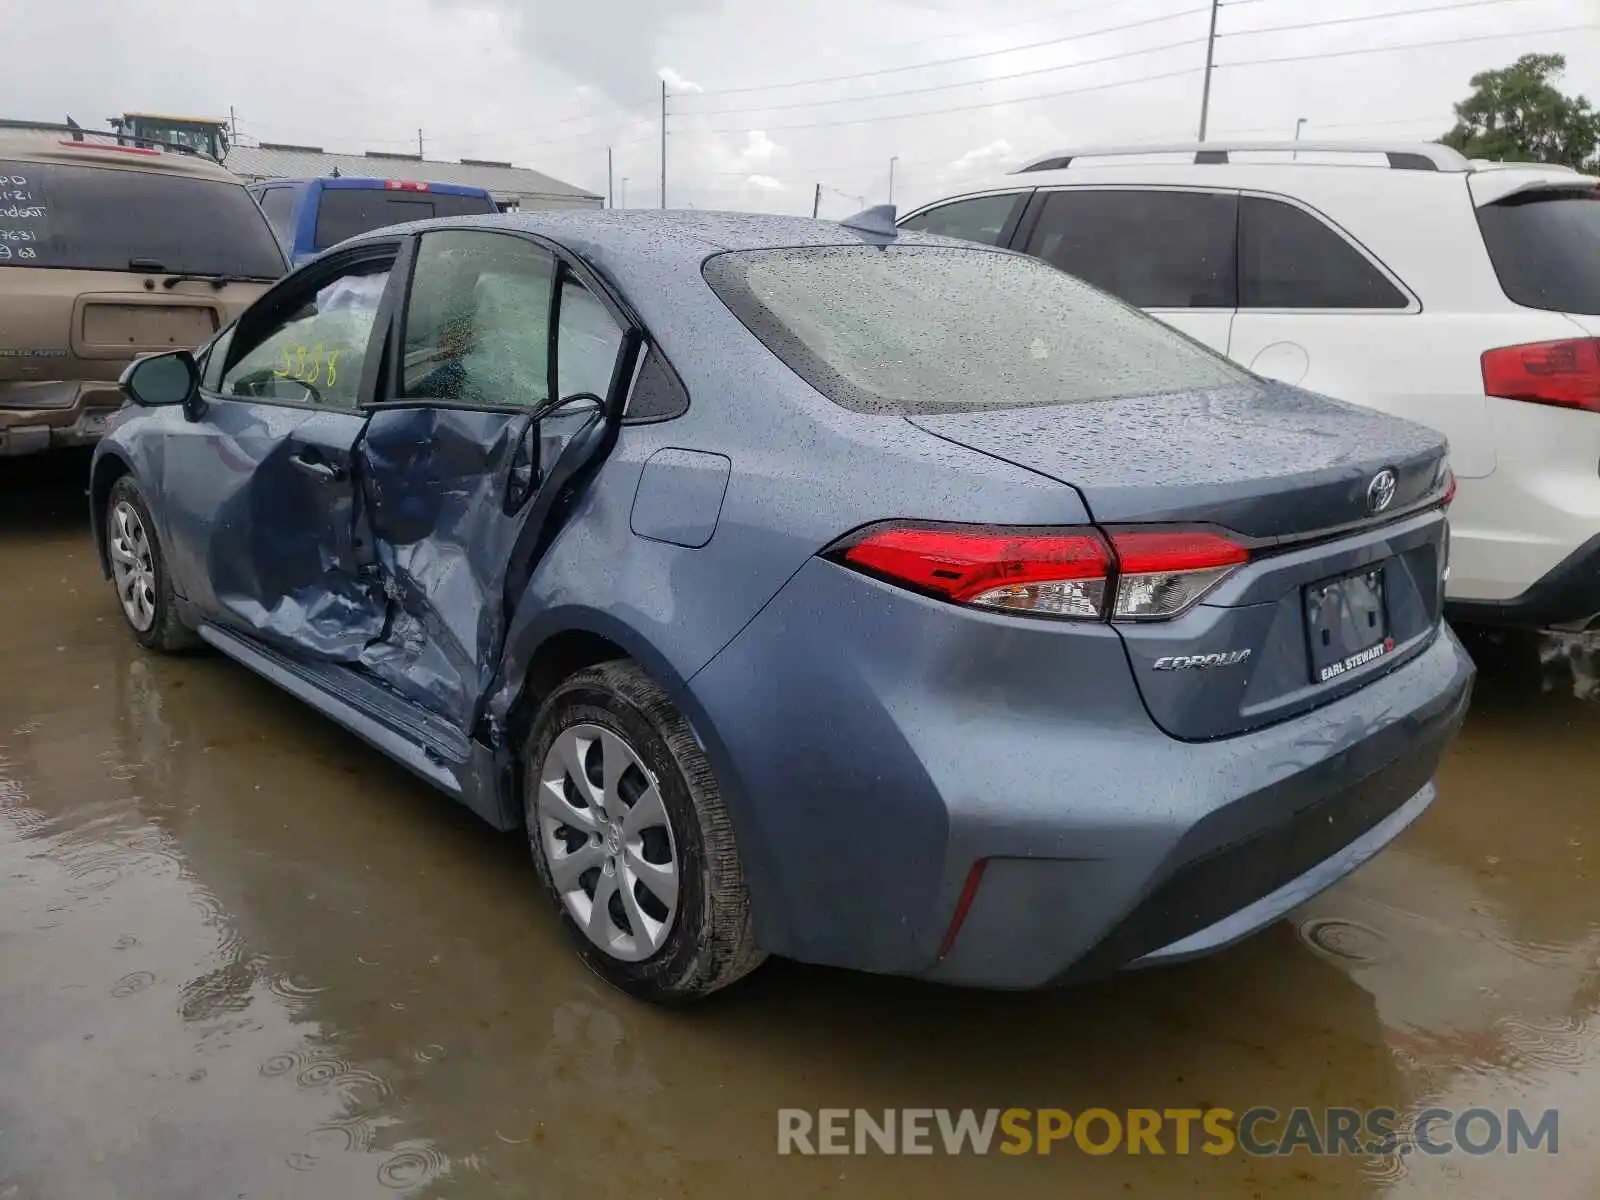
x=478 y=136
x=944 y=87
x=945 y=62
x=1485 y=37
x=939 y=112
x=1427 y=120
x=1038 y=20
x=594 y=147
x=1383 y=16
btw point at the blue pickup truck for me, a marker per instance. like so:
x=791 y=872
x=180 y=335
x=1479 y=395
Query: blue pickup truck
x=309 y=215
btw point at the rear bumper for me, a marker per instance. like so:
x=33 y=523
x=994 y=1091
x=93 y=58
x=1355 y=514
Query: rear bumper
x=874 y=747
x=39 y=417
x=1569 y=595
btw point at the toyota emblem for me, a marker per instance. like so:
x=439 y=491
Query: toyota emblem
x=1380 y=492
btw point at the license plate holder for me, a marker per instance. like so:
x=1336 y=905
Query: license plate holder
x=1347 y=623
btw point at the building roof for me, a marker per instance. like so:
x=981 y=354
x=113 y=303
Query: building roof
x=281 y=161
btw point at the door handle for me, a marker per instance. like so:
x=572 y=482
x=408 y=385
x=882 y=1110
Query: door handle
x=315 y=467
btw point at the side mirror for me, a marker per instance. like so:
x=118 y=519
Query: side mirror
x=161 y=380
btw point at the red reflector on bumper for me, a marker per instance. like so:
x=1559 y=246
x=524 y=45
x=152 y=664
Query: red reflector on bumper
x=969 y=893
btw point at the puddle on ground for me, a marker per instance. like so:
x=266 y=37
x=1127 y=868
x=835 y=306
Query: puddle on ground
x=240 y=954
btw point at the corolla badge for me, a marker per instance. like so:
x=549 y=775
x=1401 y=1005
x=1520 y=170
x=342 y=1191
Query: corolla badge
x=1200 y=662
x=1380 y=492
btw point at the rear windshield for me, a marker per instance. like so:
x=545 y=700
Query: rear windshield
x=102 y=219
x=1545 y=247
x=929 y=329
x=346 y=212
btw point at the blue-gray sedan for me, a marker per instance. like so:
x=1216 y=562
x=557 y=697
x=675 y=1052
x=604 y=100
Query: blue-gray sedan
x=806 y=588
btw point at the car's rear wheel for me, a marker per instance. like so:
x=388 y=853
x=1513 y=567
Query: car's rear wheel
x=139 y=572
x=632 y=838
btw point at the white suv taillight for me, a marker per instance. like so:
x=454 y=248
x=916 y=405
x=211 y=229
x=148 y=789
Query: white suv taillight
x=1564 y=373
x=1072 y=573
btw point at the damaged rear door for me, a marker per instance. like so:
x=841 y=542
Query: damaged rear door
x=498 y=389
x=264 y=507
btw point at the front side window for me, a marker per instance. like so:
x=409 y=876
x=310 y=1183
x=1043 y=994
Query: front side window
x=928 y=329
x=315 y=356
x=1154 y=249
x=984 y=219
x=477 y=322
x=215 y=356
x=87 y=218
x=1290 y=259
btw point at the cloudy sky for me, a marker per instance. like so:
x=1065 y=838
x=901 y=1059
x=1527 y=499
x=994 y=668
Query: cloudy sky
x=766 y=100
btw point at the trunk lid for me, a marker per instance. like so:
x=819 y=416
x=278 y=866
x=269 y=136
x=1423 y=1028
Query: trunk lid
x=1269 y=462
x=1334 y=594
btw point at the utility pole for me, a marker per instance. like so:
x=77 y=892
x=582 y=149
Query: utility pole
x=419 y=143
x=663 y=143
x=233 y=124
x=893 y=158
x=611 y=200
x=1205 y=90
x=816 y=201
x=624 y=191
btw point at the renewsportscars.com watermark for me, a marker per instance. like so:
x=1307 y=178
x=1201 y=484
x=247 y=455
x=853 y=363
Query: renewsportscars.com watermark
x=1257 y=1131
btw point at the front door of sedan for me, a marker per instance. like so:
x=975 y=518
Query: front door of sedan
x=498 y=388
x=264 y=505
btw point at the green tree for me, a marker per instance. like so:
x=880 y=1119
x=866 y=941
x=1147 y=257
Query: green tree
x=1518 y=115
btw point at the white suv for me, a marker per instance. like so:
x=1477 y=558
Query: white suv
x=1464 y=295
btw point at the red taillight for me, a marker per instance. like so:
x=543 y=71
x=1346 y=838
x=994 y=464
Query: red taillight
x=1072 y=572
x=1161 y=572
x=1056 y=573
x=1449 y=487
x=404 y=185
x=1565 y=373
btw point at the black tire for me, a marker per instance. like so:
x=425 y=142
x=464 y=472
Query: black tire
x=711 y=942
x=167 y=634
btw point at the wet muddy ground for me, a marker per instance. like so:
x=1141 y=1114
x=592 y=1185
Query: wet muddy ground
x=243 y=956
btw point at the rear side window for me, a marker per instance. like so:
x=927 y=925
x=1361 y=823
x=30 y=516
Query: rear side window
x=1151 y=248
x=985 y=219
x=345 y=212
x=275 y=204
x=1290 y=259
x=104 y=219
x=926 y=329
x=1545 y=247
x=658 y=394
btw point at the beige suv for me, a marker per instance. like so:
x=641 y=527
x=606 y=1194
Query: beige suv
x=108 y=252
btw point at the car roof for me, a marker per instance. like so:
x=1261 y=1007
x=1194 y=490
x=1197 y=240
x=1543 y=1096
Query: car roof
x=667 y=236
x=49 y=147
x=1271 y=165
x=653 y=256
